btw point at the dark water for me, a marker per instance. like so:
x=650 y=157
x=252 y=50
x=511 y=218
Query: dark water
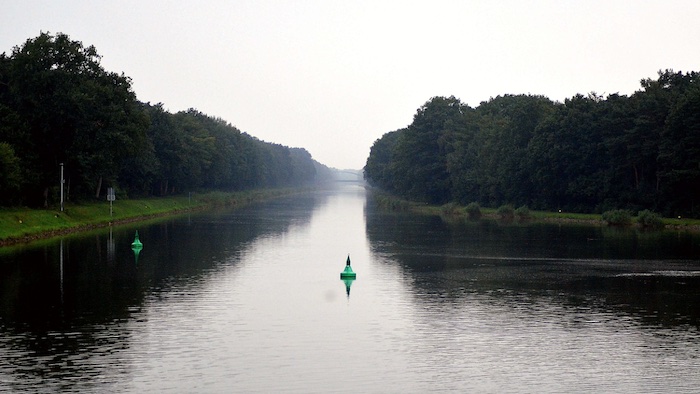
x=251 y=301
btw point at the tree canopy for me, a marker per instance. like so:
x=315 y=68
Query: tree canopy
x=58 y=105
x=587 y=154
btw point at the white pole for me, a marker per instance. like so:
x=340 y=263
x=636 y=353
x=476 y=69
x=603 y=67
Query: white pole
x=61 y=187
x=110 y=198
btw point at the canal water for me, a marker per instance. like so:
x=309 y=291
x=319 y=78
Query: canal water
x=250 y=300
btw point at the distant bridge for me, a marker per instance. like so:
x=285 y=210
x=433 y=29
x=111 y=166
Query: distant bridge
x=349 y=176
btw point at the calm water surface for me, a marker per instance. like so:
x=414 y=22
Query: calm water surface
x=250 y=300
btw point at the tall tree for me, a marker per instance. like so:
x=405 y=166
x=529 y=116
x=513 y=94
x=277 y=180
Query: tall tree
x=420 y=156
x=10 y=173
x=588 y=154
x=77 y=113
x=379 y=162
x=679 y=153
x=507 y=124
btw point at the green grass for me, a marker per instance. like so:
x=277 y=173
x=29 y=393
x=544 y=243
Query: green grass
x=687 y=222
x=455 y=211
x=22 y=224
x=566 y=216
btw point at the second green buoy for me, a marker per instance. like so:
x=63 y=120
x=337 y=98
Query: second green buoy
x=348 y=272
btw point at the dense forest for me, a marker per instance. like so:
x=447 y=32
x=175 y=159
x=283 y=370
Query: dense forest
x=587 y=154
x=58 y=105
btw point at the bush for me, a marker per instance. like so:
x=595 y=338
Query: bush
x=391 y=203
x=505 y=211
x=523 y=212
x=450 y=208
x=473 y=210
x=647 y=218
x=617 y=217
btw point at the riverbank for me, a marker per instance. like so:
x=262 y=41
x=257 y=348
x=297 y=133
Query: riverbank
x=457 y=212
x=22 y=225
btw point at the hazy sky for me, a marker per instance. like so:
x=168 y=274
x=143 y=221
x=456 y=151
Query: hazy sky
x=333 y=76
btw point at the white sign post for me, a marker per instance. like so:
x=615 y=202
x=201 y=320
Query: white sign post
x=110 y=197
x=62 y=182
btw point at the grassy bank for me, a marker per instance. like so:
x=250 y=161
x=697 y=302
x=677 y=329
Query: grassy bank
x=23 y=224
x=457 y=211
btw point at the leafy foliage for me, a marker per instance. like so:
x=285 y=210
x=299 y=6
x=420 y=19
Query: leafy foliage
x=73 y=112
x=650 y=219
x=505 y=211
x=587 y=154
x=10 y=172
x=617 y=217
x=58 y=105
x=473 y=210
x=523 y=212
x=420 y=170
x=451 y=208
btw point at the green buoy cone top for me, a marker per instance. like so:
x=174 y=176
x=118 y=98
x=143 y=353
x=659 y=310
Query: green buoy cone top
x=137 y=243
x=348 y=272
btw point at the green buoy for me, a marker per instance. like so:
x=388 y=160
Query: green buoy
x=136 y=246
x=348 y=272
x=137 y=243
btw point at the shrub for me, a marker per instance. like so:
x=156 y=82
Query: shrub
x=473 y=210
x=617 y=217
x=391 y=203
x=523 y=212
x=505 y=211
x=450 y=208
x=647 y=218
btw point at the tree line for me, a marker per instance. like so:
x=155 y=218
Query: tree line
x=588 y=154
x=59 y=106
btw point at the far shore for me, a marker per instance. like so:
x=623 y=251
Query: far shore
x=25 y=225
x=452 y=211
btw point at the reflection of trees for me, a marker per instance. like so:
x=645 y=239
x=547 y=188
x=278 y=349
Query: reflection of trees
x=184 y=249
x=571 y=266
x=51 y=320
x=99 y=286
x=73 y=323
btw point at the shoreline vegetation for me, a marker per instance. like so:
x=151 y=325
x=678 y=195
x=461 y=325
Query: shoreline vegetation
x=25 y=225
x=62 y=113
x=589 y=153
x=507 y=213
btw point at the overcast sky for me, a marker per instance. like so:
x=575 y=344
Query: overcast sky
x=333 y=76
